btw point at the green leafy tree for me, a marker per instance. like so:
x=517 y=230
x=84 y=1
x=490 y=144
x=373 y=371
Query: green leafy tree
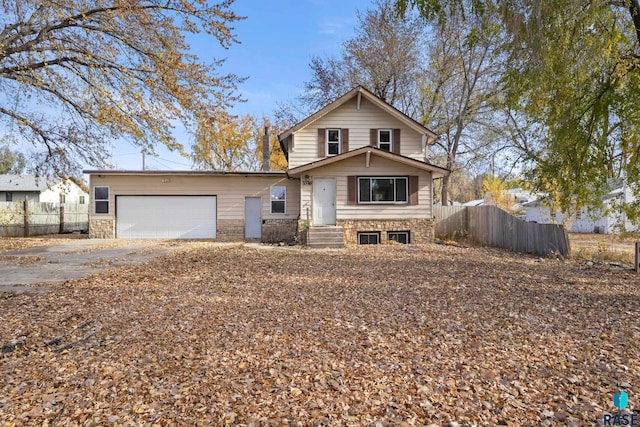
x=11 y=163
x=76 y=75
x=572 y=90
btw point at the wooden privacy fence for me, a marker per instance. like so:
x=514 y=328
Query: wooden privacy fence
x=24 y=218
x=490 y=225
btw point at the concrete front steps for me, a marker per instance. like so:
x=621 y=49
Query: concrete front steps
x=326 y=236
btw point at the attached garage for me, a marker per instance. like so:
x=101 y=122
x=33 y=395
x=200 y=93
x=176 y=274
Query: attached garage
x=226 y=206
x=166 y=217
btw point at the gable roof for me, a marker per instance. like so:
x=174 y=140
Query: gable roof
x=360 y=91
x=437 y=171
x=24 y=183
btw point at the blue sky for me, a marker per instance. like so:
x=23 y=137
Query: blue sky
x=277 y=41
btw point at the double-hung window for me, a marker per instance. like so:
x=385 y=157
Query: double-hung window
x=333 y=142
x=385 y=139
x=278 y=198
x=101 y=199
x=383 y=190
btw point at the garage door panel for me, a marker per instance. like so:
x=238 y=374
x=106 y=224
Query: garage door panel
x=166 y=217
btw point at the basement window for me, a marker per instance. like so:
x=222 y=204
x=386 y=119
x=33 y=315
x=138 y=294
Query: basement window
x=101 y=199
x=368 y=238
x=398 y=236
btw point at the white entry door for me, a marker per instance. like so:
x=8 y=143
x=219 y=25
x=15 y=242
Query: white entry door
x=252 y=218
x=324 y=201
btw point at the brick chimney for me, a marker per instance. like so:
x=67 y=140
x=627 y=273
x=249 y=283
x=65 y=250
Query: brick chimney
x=266 y=149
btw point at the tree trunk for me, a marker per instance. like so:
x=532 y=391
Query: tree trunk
x=445 y=191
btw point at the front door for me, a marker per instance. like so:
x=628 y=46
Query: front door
x=324 y=201
x=252 y=218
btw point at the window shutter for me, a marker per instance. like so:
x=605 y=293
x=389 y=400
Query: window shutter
x=373 y=137
x=413 y=190
x=345 y=141
x=352 y=191
x=396 y=141
x=321 y=142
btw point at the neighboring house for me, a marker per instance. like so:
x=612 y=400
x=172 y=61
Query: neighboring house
x=14 y=188
x=587 y=219
x=357 y=169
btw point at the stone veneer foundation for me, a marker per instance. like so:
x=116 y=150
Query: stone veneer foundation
x=227 y=230
x=421 y=230
x=230 y=230
x=102 y=229
x=279 y=230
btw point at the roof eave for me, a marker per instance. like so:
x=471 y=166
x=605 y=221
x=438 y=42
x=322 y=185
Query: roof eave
x=183 y=172
x=436 y=171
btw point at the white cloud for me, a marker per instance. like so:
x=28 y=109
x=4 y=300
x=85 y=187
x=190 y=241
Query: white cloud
x=337 y=26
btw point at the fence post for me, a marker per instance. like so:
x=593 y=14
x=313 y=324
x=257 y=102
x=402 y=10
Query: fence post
x=25 y=216
x=567 y=241
x=61 y=219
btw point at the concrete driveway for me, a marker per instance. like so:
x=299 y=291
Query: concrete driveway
x=30 y=270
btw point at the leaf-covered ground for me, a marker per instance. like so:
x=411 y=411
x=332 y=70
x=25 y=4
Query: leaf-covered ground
x=18 y=243
x=386 y=335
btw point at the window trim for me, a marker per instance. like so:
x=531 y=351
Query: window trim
x=379 y=202
x=81 y=200
x=390 y=139
x=63 y=198
x=96 y=200
x=271 y=200
x=405 y=232
x=369 y=233
x=327 y=142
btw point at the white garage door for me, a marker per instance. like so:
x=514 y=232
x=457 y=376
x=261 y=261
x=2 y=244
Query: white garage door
x=166 y=217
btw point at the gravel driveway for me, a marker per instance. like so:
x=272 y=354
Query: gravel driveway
x=29 y=270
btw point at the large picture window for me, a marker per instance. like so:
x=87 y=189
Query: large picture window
x=278 y=199
x=101 y=199
x=333 y=142
x=383 y=190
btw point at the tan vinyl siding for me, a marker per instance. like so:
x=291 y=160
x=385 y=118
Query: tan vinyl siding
x=230 y=190
x=377 y=167
x=359 y=123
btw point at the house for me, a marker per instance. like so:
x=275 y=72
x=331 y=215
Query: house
x=14 y=188
x=587 y=219
x=357 y=171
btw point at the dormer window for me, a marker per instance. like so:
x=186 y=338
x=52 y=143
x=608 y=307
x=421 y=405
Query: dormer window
x=385 y=139
x=333 y=142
